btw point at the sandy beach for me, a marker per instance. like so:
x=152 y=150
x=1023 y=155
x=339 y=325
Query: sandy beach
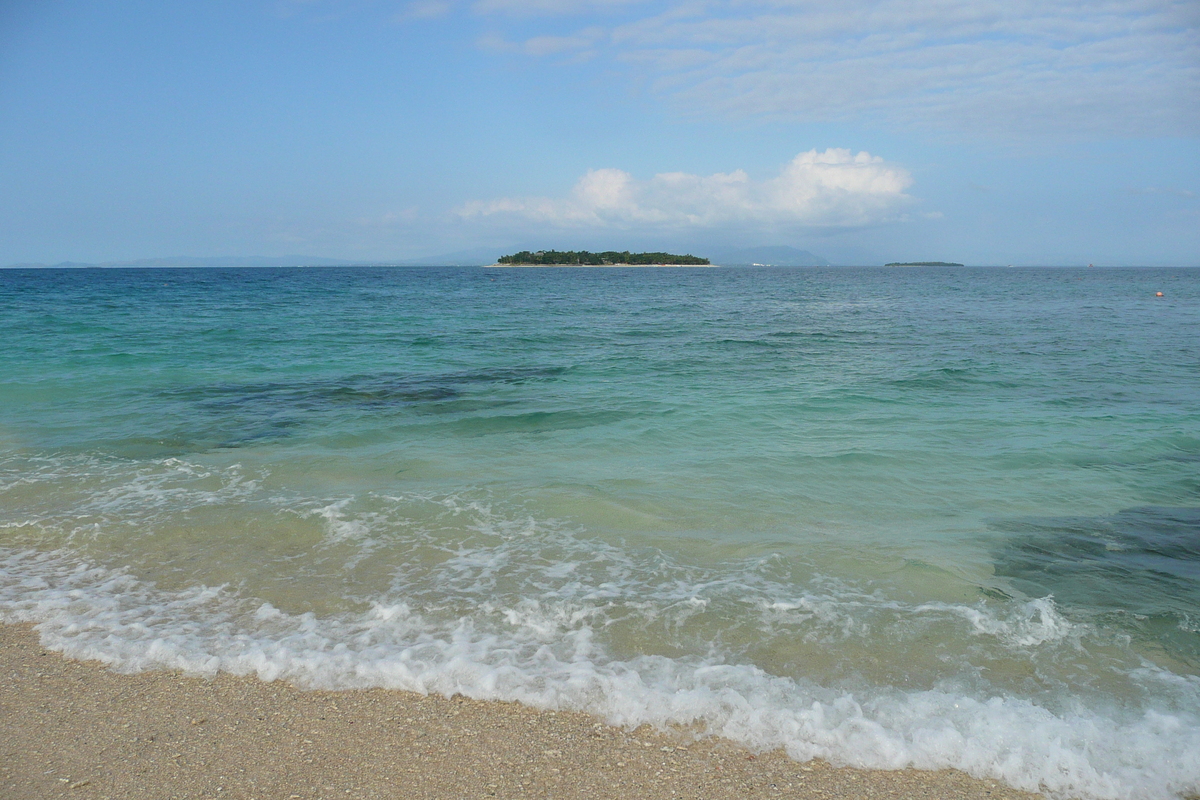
x=75 y=729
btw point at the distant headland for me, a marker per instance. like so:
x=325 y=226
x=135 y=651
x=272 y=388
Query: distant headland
x=922 y=264
x=609 y=258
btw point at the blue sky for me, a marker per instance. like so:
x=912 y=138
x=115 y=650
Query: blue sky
x=986 y=132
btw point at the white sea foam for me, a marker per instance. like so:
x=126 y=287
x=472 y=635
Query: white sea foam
x=547 y=654
x=1034 y=622
x=464 y=594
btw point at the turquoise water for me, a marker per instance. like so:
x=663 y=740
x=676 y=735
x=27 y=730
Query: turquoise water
x=886 y=517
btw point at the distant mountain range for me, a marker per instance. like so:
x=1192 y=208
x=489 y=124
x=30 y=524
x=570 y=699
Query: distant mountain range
x=460 y=258
x=204 y=261
x=463 y=258
x=777 y=256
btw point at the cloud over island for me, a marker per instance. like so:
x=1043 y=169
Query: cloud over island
x=834 y=188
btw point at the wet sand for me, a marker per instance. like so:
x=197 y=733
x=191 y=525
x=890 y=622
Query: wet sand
x=78 y=730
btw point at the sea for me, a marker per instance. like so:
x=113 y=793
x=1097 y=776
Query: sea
x=885 y=517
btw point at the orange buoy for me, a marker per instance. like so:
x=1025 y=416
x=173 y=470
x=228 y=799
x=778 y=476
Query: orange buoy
x=1158 y=294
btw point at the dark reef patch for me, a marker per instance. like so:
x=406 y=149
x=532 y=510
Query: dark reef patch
x=224 y=415
x=1139 y=564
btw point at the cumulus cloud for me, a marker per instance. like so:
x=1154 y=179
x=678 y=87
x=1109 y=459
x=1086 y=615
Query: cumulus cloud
x=834 y=188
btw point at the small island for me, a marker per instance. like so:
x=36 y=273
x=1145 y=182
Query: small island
x=923 y=264
x=609 y=258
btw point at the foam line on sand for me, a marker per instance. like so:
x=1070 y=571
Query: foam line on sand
x=78 y=730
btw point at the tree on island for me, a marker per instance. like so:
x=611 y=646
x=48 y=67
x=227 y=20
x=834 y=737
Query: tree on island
x=584 y=258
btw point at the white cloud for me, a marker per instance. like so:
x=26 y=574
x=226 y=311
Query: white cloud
x=1125 y=66
x=834 y=188
x=577 y=46
x=1167 y=190
x=549 y=45
x=540 y=7
x=424 y=9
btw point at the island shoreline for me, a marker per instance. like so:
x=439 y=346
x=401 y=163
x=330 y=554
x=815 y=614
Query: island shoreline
x=77 y=729
x=604 y=266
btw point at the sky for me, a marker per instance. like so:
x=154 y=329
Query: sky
x=985 y=132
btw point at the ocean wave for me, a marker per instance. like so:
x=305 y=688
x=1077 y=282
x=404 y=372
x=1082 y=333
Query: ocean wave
x=463 y=593
x=549 y=655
